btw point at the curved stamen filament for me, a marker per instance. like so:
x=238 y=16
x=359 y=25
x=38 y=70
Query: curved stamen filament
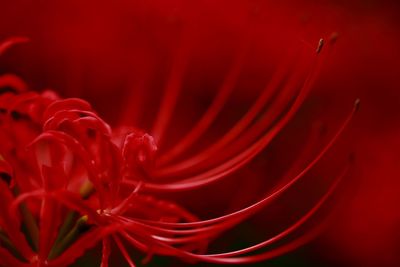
x=241 y=159
x=277 y=192
x=200 y=236
x=290 y=173
x=125 y=253
x=106 y=251
x=172 y=89
x=239 y=127
x=7 y=44
x=231 y=257
x=211 y=114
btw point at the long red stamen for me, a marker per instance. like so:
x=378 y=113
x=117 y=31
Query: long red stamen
x=123 y=251
x=279 y=191
x=244 y=157
x=211 y=114
x=105 y=252
x=7 y=44
x=172 y=89
x=240 y=126
x=229 y=255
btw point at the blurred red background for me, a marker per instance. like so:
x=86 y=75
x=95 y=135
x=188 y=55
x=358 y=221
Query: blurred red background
x=112 y=52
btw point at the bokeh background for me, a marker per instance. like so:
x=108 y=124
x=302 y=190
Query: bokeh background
x=118 y=54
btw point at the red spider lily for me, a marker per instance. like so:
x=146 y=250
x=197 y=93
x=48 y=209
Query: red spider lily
x=71 y=181
x=118 y=57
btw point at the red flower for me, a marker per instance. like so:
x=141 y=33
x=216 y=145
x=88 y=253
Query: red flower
x=119 y=57
x=71 y=181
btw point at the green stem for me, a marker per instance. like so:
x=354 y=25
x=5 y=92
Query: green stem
x=80 y=227
x=86 y=191
x=31 y=226
x=67 y=226
x=29 y=223
x=6 y=243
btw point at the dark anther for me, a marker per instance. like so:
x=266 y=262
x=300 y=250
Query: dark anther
x=320 y=45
